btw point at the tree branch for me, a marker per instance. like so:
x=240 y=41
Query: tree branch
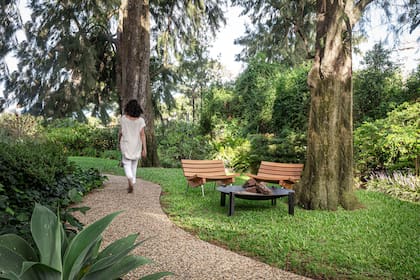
x=358 y=10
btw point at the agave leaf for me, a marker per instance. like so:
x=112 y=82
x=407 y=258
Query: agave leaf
x=94 y=250
x=157 y=275
x=127 y=264
x=81 y=243
x=65 y=240
x=83 y=260
x=39 y=271
x=45 y=228
x=114 y=252
x=11 y=261
x=19 y=245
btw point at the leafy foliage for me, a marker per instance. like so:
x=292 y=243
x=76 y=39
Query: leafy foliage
x=255 y=95
x=283 y=30
x=67 y=60
x=32 y=172
x=180 y=140
x=218 y=109
x=413 y=86
x=291 y=107
x=64 y=256
x=390 y=143
x=88 y=139
x=377 y=88
x=20 y=127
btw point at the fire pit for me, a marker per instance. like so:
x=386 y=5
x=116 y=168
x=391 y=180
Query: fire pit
x=240 y=192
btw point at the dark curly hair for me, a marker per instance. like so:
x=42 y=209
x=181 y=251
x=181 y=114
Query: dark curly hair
x=133 y=109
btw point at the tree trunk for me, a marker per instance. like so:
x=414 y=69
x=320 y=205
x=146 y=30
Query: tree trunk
x=327 y=180
x=133 y=78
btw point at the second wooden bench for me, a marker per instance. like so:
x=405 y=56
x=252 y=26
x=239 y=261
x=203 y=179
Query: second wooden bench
x=199 y=172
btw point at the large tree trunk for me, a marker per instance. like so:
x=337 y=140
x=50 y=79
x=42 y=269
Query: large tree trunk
x=327 y=180
x=133 y=78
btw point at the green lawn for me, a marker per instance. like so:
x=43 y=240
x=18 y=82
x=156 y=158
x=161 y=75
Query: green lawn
x=381 y=241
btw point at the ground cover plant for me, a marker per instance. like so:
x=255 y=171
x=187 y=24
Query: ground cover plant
x=379 y=241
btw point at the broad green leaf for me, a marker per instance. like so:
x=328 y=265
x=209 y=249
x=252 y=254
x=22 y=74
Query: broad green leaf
x=11 y=261
x=84 y=258
x=81 y=243
x=127 y=264
x=157 y=275
x=94 y=250
x=114 y=252
x=39 y=271
x=45 y=228
x=19 y=245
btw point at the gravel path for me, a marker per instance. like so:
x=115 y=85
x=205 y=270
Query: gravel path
x=170 y=248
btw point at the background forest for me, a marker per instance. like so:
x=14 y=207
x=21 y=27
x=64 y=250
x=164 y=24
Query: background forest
x=67 y=75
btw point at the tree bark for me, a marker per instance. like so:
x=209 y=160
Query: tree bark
x=133 y=78
x=327 y=180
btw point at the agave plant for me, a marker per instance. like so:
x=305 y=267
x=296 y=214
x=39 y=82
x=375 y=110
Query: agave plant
x=67 y=257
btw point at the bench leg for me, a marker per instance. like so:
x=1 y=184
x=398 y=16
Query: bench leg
x=202 y=189
x=291 y=202
x=231 y=209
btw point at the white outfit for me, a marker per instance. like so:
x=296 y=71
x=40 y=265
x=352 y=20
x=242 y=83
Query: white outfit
x=131 y=145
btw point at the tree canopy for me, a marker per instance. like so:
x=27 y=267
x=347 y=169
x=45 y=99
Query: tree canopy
x=68 y=56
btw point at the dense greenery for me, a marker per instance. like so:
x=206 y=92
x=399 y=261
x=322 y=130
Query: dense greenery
x=390 y=143
x=39 y=173
x=378 y=87
x=35 y=170
x=84 y=139
x=362 y=244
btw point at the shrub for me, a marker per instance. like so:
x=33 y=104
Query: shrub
x=17 y=128
x=37 y=173
x=83 y=139
x=391 y=143
x=179 y=140
x=288 y=147
x=397 y=184
x=232 y=150
x=62 y=255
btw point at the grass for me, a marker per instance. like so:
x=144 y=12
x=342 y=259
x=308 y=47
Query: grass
x=381 y=241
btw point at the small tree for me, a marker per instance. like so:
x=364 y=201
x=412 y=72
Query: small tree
x=378 y=87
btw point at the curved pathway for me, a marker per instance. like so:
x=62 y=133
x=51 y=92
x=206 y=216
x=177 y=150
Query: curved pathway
x=170 y=248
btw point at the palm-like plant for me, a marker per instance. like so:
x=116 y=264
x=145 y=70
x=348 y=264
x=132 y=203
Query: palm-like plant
x=65 y=256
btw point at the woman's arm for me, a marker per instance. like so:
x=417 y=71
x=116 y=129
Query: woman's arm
x=143 y=141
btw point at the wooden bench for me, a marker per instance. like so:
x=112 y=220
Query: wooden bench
x=199 y=172
x=284 y=174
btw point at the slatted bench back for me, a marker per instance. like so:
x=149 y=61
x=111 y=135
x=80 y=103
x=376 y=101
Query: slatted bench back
x=284 y=170
x=205 y=168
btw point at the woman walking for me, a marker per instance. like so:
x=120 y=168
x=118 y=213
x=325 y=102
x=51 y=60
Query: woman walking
x=132 y=140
